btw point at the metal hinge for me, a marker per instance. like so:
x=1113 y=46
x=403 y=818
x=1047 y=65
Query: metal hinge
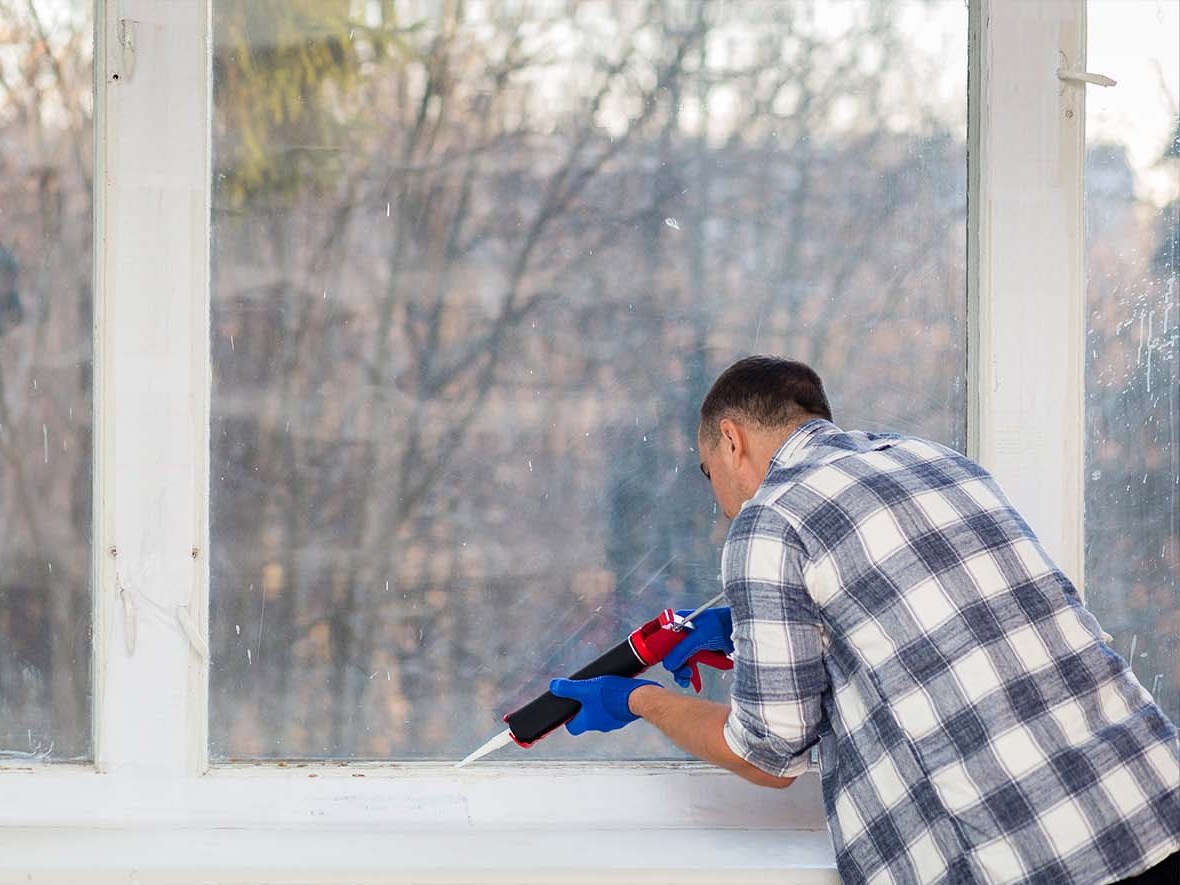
x=122 y=34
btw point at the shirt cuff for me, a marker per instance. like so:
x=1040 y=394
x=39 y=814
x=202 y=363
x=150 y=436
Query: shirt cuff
x=743 y=744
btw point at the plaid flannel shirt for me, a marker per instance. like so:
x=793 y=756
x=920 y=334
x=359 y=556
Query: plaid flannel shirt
x=891 y=605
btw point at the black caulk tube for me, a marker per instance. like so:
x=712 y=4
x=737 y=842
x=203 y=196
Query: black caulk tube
x=643 y=648
x=540 y=716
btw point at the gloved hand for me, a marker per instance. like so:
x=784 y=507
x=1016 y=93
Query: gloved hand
x=603 y=700
x=712 y=632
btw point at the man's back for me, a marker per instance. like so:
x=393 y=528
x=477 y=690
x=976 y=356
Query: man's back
x=974 y=725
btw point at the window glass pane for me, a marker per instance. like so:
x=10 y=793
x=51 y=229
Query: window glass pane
x=45 y=379
x=1133 y=374
x=475 y=266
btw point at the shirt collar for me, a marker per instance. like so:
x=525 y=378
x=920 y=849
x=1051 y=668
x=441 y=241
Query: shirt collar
x=803 y=437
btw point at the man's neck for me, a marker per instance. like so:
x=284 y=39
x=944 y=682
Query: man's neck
x=792 y=428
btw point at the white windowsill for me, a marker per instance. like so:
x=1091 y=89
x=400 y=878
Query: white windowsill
x=425 y=823
x=521 y=855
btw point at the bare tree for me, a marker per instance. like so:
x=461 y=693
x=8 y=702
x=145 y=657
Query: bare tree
x=538 y=249
x=45 y=366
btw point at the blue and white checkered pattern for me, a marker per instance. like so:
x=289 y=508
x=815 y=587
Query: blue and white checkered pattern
x=889 y=603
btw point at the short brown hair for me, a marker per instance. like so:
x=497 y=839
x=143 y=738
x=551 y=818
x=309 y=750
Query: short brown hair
x=765 y=390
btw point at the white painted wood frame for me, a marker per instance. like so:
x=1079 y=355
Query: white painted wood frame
x=1026 y=283
x=151 y=376
x=151 y=809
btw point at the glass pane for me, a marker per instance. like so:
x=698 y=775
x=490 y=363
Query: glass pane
x=475 y=266
x=45 y=371
x=1133 y=374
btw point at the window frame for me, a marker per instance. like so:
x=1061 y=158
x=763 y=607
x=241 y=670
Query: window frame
x=152 y=375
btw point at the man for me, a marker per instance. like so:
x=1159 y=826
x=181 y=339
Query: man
x=887 y=602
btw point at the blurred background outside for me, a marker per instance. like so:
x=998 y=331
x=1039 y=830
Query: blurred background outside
x=475 y=264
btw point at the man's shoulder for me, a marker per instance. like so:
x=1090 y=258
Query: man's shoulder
x=839 y=465
x=863 y=450
x=836 y=441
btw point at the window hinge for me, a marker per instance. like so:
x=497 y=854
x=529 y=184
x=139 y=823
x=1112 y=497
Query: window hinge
x=122 y=34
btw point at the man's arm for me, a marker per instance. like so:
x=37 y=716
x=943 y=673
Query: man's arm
x=696 y=726
x=776 y=711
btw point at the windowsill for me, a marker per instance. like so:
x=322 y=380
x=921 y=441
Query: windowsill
x=79 y=856
x=423 y=823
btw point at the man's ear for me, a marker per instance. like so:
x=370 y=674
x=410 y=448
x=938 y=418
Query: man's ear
x=733 y=440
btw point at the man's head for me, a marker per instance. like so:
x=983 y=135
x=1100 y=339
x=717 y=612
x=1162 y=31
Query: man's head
x=746 y=417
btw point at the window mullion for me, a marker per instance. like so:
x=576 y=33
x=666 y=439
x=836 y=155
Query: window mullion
x=1026 y=292
x=152 y=137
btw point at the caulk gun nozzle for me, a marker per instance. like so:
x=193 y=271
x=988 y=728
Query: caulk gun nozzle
x=500 y=740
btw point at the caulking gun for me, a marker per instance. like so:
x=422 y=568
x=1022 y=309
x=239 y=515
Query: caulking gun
x=643 y=648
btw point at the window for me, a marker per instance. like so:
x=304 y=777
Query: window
x=474 y=268
x=1133 y=364
x=45 y=381
x=713 y=181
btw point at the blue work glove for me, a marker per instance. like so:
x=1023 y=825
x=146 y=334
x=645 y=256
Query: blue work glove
x=712 y=630
x=603 y=700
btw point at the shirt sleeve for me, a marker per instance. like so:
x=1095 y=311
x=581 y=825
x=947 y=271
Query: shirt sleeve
x=779 y=674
